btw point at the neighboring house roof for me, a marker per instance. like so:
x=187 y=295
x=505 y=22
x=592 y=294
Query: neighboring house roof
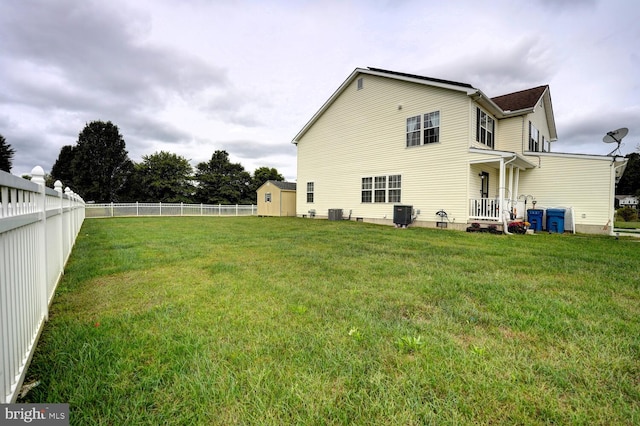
x=287 y=186
x=513 y=104
x=523 y=99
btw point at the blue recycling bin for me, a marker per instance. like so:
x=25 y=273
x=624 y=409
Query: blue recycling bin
x=555 y=220
x=534 y=217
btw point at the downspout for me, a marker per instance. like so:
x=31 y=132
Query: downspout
x=501 y=192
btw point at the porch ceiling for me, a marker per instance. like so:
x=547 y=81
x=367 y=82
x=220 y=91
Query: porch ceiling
x=493 y=158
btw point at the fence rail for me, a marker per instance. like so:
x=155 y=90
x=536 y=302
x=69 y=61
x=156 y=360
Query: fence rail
x=168 y=209
x=38 y=228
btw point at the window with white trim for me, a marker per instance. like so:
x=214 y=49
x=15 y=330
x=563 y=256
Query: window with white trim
x=431 y=127
x=310 y=191
x=381 y=189
x=360 y=83
x=367 y=190
x=395 y=185
x=485 y=128
x=413 y=131
x=534 y=138
x=430 y=122
x=267 y=197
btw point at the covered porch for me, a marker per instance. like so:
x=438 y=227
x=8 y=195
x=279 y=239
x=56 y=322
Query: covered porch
x=493 y=185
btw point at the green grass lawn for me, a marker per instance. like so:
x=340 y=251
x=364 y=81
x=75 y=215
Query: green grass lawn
x=627 y=225
x=297 y=321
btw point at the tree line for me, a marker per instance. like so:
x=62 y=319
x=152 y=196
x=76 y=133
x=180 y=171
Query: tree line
x=98 y=168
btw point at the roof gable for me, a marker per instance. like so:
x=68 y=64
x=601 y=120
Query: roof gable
x=524 y=99
x=509 y=105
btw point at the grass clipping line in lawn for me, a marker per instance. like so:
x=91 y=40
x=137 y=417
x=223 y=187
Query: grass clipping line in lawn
x=284 y=320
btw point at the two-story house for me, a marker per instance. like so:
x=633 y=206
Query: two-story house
x=386 y=138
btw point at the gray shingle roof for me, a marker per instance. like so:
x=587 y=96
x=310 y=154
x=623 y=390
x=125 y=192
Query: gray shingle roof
x=289 y=186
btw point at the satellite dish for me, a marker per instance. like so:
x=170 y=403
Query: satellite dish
x=615 y=136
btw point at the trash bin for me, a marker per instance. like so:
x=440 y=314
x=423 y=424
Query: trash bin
x=555 y=220
x=534 y=217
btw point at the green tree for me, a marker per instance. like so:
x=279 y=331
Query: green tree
x=62 y=169
x=260 y=176
x=100 y=165
x=223 y=182
x=629 y=184
x=164 y=177
x=6 y=155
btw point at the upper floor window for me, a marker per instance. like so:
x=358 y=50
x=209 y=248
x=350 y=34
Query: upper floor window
x=430 y=122
x=534 y=138
x=485 y=128
x=360 y=83
x=413 y=131
x=310 y=191
x=432 y=127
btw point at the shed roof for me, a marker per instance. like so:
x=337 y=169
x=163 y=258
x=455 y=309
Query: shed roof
x=288 y=186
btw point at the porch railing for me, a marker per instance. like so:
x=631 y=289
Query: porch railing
x=38 y=228
x=484 y=209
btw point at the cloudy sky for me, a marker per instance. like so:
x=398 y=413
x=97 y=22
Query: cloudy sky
x=194 y=76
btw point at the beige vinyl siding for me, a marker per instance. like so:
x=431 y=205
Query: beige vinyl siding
x=283 y=202
x=566 y=181
x=363 y=134
x=539 y=119
x=510 y=134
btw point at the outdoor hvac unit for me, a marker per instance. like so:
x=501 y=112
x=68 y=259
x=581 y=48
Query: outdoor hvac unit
x=402 y=215
x=335 y=214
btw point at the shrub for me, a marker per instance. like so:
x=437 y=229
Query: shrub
x=627 y=214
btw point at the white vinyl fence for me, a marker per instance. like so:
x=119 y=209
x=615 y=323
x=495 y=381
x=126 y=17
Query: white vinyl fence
x=169 y=209
x=38 y=228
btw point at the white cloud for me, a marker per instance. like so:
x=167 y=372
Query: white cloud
x=196 y=76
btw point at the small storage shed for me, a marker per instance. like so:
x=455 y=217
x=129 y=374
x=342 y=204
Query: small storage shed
x=276 y=198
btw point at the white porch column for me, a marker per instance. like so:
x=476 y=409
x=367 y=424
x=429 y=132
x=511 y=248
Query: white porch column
x=501 y=189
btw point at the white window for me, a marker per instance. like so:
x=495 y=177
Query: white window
x=395 y=184
x=485 y=128
x=534 y=138
x=367 y=188
x=360 y=83
x=431 y=126
x=267 y=197
x=381 y=189
x=310 y=189
x=380 y=193
x=413 y=131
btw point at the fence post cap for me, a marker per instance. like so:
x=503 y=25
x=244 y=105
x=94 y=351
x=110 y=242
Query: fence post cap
x=37 y=175
x=57 y=186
